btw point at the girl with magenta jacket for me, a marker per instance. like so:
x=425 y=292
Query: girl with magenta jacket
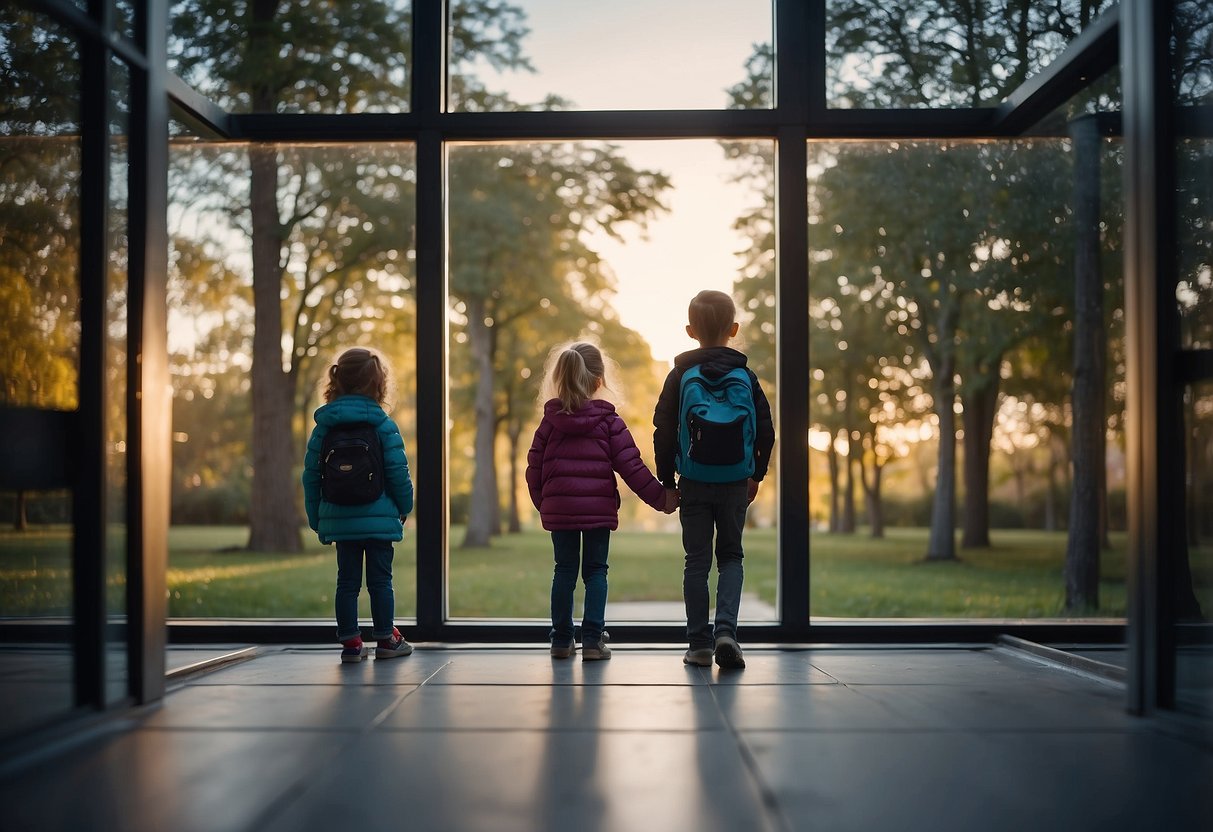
x=579 y=447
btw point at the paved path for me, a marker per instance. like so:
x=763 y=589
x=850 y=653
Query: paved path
x=752 y=609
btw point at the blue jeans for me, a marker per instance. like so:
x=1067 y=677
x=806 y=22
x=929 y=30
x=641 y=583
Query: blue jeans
x=378 y=586
x=707 y=509
x=586 y=550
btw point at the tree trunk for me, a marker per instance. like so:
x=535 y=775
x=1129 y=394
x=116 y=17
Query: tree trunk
x=20 y=518
x=1088 y=397
x=273 y=511
x=871 y=496
x=484 y=510
x=1051 y=490
x=848 y=490
x=515 y=433
x=978 y=409
x=942 y=542
x=832 y=462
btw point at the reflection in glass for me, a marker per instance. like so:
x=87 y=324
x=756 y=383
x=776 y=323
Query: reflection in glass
x=943 y=284
x=626 y=55
x=39 y=342
x=124 y=17
x=311 y=56
x=116 y=316
x=934 y=53
x=333 y=244
x=554 y=242
x=1194 y=568
x=1192 y=60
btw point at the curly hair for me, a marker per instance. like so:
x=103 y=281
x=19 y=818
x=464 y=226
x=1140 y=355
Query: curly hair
x=358 y=372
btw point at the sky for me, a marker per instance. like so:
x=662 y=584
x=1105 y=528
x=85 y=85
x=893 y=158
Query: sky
x=672 y=54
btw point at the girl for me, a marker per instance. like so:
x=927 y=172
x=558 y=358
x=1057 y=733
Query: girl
x=570 y=473
x=363 y=515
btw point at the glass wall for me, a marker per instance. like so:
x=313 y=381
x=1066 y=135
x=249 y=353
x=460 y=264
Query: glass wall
x=672 y=55
x=1192 y=63
x=307 y=56
x=956 y=291
x=40 y=175
x=935 y=54
x=116 y=310
x=310 y=248
x=551 y=243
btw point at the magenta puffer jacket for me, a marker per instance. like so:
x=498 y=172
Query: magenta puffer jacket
x=570 y=469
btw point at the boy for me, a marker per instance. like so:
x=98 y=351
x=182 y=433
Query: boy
x=713 y=426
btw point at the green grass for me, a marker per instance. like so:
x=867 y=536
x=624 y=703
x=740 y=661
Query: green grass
x=851 y=576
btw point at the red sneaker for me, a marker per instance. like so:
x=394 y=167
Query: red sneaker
x=390 y=648
x=353 y=650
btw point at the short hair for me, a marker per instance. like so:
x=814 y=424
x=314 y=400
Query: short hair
x=711 y=314
x=358 y=372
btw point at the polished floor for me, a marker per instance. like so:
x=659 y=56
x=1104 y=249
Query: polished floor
x=510 y=739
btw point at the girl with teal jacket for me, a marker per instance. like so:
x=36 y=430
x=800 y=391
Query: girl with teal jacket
x=357 y=388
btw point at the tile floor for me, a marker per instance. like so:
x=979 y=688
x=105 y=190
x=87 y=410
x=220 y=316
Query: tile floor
x=509 y=739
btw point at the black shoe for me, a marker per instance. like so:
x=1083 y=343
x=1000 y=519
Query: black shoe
x=728 y=653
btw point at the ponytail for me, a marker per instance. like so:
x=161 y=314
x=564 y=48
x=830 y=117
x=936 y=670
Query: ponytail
x=577 y=375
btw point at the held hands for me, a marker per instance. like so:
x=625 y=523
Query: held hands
x=671 y=500
x=751 y=491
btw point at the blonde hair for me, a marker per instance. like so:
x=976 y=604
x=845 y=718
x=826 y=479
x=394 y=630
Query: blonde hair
x=574 y=373
x=359 y=372
x=711 y=314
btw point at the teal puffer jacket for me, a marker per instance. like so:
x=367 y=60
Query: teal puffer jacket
x=380 y=520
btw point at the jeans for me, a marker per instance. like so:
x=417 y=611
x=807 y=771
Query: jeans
x=378 y=586
x=707 y=508
x=586 y=549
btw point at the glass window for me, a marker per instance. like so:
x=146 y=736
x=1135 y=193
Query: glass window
x=116 y=316
x=936 y=54
x=551 y=243
x=39 y=344
x=1192 y=61
x=311 y=56
x=945 y=280
x=625 y=55
x=124 y=17
x=1194 y=566
x=324 y=236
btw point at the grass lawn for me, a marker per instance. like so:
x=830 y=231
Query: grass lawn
x=851 y=576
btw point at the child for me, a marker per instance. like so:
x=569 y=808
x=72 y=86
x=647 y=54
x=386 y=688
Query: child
x=570 y=473
x=721 y=448
x=358 y=493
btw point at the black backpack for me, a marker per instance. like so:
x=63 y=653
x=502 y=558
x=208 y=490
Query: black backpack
x=351 y=464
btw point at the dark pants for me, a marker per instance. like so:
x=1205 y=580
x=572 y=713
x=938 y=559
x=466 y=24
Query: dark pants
x=585 y=550
x=378 y=586
x=710 y=510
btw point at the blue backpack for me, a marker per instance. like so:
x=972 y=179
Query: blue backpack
x=716 y=426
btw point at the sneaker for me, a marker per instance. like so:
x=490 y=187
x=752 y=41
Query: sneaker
x=563 y=651
x=728 y=653
x=390 y=648
x=597 y=652
x=353 y=650
x=701 y=657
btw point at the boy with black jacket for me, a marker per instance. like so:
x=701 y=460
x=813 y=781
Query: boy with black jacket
x=713 y=497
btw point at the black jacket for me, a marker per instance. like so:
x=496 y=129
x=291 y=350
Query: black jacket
x=716 y=362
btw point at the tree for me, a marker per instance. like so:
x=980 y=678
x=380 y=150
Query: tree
x=345 y=224
x=519 y=215
x=39 y=219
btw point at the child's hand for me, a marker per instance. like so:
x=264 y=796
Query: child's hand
x=671 y=500
x=751 y=491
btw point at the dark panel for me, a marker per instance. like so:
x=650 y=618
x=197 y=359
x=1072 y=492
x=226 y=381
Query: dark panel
x=37 y=447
